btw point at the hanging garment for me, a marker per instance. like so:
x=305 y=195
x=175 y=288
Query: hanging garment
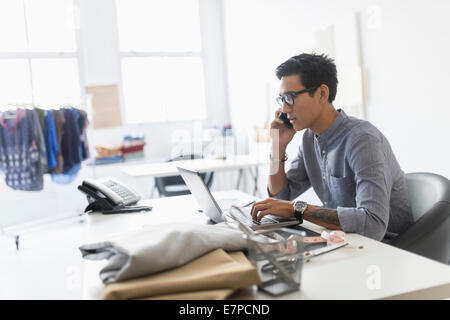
x=68 y=177
x=58 y=118
x=70 y=142
x=70 y=147
x=40 y=116
x=36 y=123
x=50 y=140
x=21 y=145
x=37 y=141
x=83 y=124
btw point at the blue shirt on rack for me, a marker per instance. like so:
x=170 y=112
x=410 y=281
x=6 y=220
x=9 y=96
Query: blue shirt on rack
x=50 y=140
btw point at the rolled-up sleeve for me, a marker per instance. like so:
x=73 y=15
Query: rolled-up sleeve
x=373 y=184
x=297 y=180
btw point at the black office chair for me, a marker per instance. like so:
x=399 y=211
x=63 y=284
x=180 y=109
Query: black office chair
x=429 y=236
x=175 y=186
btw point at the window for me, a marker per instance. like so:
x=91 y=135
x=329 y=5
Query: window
x=161 y=60
x=38 y=59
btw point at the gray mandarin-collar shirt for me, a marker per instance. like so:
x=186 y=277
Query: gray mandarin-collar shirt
x=352 y=168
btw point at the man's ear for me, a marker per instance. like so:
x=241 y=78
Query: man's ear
x=323 y=93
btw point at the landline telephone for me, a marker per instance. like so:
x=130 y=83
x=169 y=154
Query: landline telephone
x=108 y=195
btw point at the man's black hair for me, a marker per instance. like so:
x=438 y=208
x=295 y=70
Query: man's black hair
x=313 y=69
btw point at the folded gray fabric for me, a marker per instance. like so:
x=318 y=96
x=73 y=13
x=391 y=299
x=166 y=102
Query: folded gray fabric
x=155 y=248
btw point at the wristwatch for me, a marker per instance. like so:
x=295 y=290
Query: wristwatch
x=299 y=209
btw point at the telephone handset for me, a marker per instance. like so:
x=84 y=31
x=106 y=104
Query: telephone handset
x=108 y=195
x=283 y=116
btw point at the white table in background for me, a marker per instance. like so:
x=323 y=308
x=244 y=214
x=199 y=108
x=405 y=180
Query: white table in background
x=376 y=271
x=168 y=169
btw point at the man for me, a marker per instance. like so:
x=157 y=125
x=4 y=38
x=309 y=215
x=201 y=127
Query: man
x=348 y=162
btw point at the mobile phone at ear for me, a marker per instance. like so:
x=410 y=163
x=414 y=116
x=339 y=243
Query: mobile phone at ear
x=283 y=116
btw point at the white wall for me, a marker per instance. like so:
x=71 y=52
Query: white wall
x=405 y=52
x=407 y=71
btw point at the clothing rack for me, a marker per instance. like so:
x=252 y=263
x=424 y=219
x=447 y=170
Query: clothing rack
x=15 y=236
x=26 y=175
x=57 y=136
x=15 y=106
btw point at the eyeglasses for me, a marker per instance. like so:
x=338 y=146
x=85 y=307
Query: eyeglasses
x=289 y=97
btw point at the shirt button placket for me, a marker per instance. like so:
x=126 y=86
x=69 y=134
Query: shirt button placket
x=323 y=165
x=323 y=172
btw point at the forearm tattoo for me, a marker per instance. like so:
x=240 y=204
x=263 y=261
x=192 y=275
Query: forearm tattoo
x=323 y=216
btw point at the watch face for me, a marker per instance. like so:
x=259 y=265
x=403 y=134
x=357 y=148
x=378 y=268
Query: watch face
x=300 y=206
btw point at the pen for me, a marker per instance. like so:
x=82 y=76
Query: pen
x=320 y=251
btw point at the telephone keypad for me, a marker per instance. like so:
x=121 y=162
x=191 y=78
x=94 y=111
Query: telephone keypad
x=120 y=190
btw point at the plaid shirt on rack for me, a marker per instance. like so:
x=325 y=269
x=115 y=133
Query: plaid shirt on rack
x=21 y=146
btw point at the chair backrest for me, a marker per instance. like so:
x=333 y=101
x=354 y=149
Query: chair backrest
x=429 y=236
x=425 y=190
x=163 y=182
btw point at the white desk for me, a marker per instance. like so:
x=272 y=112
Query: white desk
x=167 y=169
x=348 y=273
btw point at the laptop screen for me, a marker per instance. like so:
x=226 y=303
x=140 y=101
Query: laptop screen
x=202 y=194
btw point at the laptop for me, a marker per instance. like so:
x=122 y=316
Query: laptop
x=211 y=209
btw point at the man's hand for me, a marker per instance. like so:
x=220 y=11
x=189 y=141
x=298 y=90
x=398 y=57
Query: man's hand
x=277 y=207
x=280 y=133
x=327 y=218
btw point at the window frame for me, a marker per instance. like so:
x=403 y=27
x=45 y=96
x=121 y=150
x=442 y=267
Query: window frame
x=160 y=54
x=30 y=55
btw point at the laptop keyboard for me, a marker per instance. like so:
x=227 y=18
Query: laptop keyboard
x=245 y=217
